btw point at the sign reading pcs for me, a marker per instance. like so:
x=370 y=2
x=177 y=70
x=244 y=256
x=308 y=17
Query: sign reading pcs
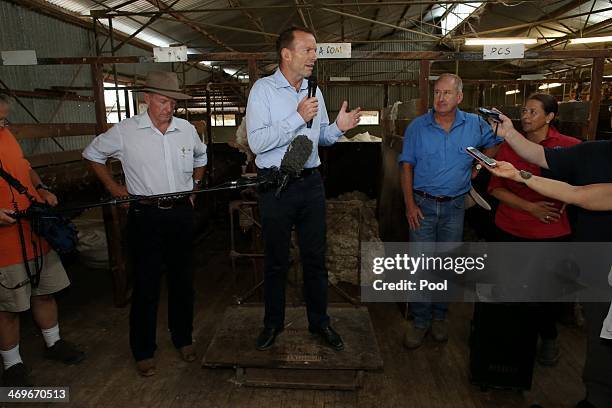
x=505 y=51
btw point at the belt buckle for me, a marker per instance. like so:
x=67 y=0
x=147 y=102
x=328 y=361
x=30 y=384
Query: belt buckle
x=161 y=206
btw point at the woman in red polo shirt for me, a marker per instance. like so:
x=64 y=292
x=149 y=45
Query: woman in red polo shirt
x=523 y=214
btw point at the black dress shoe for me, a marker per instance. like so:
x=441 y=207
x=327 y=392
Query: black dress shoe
x=329 y=335
x=585 y=404
x=266 y=338
x=16 y=375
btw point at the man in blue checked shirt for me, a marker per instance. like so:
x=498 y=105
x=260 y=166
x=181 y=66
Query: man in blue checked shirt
x=278 y=110
x=436 y=173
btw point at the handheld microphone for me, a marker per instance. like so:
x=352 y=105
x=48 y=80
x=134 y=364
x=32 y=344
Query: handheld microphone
x=312 y=91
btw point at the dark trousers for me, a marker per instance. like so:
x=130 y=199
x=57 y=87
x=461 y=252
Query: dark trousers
x=301 y=204
x=545 y=313
x=597 y=374
x=160 y=237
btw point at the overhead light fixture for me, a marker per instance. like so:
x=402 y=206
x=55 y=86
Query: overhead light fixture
x=500 y=41
x=548 y=86
x=587 y=40
x=531 y=77
x=512 y=92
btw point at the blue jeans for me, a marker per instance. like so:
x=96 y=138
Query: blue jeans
x=443 y=223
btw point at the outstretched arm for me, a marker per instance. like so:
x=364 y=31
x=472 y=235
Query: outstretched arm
x=594 y=197
x=532 y=152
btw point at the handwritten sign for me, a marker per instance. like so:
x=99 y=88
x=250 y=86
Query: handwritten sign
x=505 y=51
x=334 y=50
x=170 y=54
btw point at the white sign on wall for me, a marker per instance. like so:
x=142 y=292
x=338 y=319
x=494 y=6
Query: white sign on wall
x=505 y=51
x=334 y=50
x=25 y=57
x=170 y=54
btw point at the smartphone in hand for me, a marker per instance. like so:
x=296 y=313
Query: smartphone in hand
x=477 y=154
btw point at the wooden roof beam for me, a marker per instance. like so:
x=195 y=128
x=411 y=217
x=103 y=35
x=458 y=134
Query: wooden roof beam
x=554 y=17
x=48 y=9
x=589 y=29
x=379 y=23
x=188 y=22
x=255 y=20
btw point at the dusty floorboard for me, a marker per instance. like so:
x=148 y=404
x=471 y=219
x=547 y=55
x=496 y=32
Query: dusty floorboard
x=433 y=376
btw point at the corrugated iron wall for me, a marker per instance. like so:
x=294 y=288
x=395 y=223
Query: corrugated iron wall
x=372 y=96
x=23 y=29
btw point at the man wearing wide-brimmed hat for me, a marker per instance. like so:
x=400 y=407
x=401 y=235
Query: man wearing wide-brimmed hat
x=159 y=154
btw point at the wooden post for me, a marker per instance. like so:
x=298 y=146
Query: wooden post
x=595 y=96
x=423 y=86
x=112 y=223
x=386 y=97
x=253 y=73
x=98 y=90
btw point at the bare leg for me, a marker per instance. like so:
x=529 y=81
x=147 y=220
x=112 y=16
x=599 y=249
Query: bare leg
x=9 y=335
x=44 y=310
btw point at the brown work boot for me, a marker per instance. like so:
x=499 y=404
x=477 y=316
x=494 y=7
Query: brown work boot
x=439 y=330
x=414 y=336
x=188 y=353
x=548 y=353
x=146 y=368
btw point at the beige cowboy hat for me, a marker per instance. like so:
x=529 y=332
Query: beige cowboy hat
x=164 y=83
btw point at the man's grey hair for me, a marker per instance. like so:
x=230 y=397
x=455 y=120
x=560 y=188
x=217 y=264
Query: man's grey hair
x=456 y=78
x=6 y=99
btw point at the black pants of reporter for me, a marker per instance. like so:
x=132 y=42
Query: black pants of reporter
x=159 y=237
x=546 y=313
x=597 y=375
x=301 y=204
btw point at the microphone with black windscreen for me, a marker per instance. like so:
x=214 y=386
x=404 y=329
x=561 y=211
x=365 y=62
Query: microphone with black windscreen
x=312 y=91
x=292 y=164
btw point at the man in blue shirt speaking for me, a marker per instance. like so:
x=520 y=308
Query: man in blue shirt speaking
x=436 y=173
x=278 y=110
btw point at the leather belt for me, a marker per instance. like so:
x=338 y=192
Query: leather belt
x=165 y=203
x=304 y=173
x=308 y=171
x=440 y=199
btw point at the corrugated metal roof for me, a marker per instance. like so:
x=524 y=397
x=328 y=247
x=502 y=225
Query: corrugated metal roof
x=327 y=23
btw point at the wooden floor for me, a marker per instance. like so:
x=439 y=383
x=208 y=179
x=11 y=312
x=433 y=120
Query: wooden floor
x=432 y=376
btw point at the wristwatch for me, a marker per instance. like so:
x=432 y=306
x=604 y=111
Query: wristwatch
x=197 y=182
x=525 y=175
x=42 y=186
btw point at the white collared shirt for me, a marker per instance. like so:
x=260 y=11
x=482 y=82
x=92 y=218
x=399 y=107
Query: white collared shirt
x=153 y=163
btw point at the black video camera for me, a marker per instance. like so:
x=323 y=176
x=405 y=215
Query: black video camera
x=489 y=114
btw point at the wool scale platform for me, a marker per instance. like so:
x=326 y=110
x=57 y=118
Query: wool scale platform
x=297 y=359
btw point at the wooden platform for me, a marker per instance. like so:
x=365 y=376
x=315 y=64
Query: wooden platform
x=297 y=359
x=233 y=345
x=341 y=380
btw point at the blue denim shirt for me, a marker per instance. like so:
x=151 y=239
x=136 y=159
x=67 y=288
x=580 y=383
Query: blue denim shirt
x=272 y=121
x=441 y=165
